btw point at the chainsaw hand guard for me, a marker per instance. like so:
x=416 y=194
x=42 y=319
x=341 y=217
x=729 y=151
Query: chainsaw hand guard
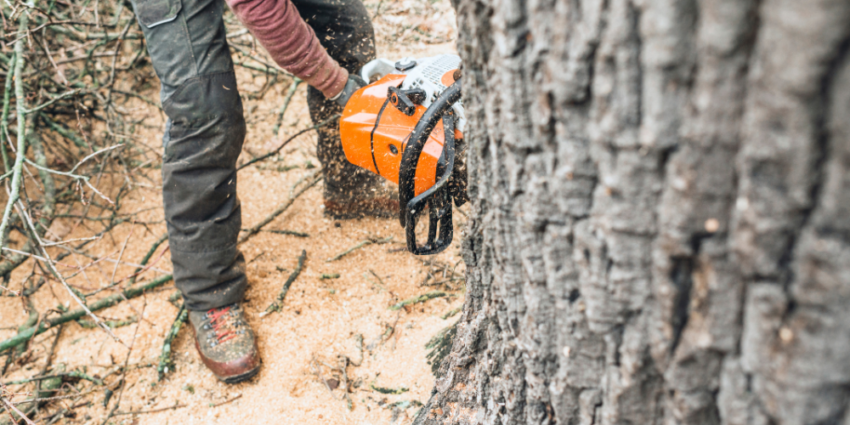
x=438 y=198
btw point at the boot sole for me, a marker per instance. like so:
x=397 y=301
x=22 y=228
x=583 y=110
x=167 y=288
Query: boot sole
x=240 y=378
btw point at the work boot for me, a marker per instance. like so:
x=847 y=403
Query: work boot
x=226 y=343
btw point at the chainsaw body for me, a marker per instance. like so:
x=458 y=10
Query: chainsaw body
x=407 y=126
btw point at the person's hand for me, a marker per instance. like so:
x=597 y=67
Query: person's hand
x=353 y=84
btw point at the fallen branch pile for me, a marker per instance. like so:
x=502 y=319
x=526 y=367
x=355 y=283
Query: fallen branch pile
x=74 y=75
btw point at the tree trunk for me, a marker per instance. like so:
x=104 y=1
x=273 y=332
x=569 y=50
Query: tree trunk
x=660 y=228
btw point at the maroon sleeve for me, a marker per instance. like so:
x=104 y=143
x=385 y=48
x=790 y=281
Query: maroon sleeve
x=291 y=42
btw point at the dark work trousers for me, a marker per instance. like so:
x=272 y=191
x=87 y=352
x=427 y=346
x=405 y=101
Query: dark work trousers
x=205 y=131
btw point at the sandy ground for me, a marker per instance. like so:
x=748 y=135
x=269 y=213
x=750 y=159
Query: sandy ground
x=321 y=320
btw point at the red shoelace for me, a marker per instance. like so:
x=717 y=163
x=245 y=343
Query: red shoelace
x=220 y=324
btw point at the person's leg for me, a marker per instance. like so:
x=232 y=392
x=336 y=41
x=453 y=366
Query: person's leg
x=345 y=30
x=203 y=138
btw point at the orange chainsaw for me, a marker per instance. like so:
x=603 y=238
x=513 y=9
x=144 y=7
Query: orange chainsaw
x=407 y=126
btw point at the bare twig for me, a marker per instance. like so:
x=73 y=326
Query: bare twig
x=366 y=242
x=94 y=154
x=77 y=314
x=20 y=102
x=4 y=120
x=278 y=302
x=75 y=375
x=289 y=94
x=165 y=362
x=237 y=397
x=279 y=210
x=12 y=407
x=142 y=264
x=143 y=412
x=420 y=299
x=52 y=266
x=288 y=232
x=451 y=312
x=124 y=370
x=286 y=142
x=121 y=254
x=51 y=101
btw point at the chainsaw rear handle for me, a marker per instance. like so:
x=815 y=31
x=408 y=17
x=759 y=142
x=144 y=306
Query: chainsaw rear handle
x=437 y=197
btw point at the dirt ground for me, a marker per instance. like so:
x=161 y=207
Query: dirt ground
x=321 y=320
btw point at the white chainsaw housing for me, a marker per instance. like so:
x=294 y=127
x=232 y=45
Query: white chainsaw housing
x=426 y=74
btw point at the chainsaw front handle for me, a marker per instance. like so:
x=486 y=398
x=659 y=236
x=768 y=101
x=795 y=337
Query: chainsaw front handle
x=437 y=198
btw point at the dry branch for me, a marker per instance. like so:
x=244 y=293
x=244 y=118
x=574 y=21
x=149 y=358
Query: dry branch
x=66 y=375
x=420 y=299
x=289 y=94
x=373 y=241
x=20 y=102
x=236 y=397
x=286 y=142
x=28 y=407
x=79 y=313
x=165 y=362
x=142 y=412
x=386 y=390
x=147 y=257
x=111 y=323
x=278 y=302
x=279 y=210
x=287 y=232
x=451 y=312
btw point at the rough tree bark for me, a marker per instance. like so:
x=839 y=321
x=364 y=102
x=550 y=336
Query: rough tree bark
x=660 y=231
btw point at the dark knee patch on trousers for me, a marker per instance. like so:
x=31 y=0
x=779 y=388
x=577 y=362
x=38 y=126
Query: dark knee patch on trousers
x=199 y=167
x=204 y=107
